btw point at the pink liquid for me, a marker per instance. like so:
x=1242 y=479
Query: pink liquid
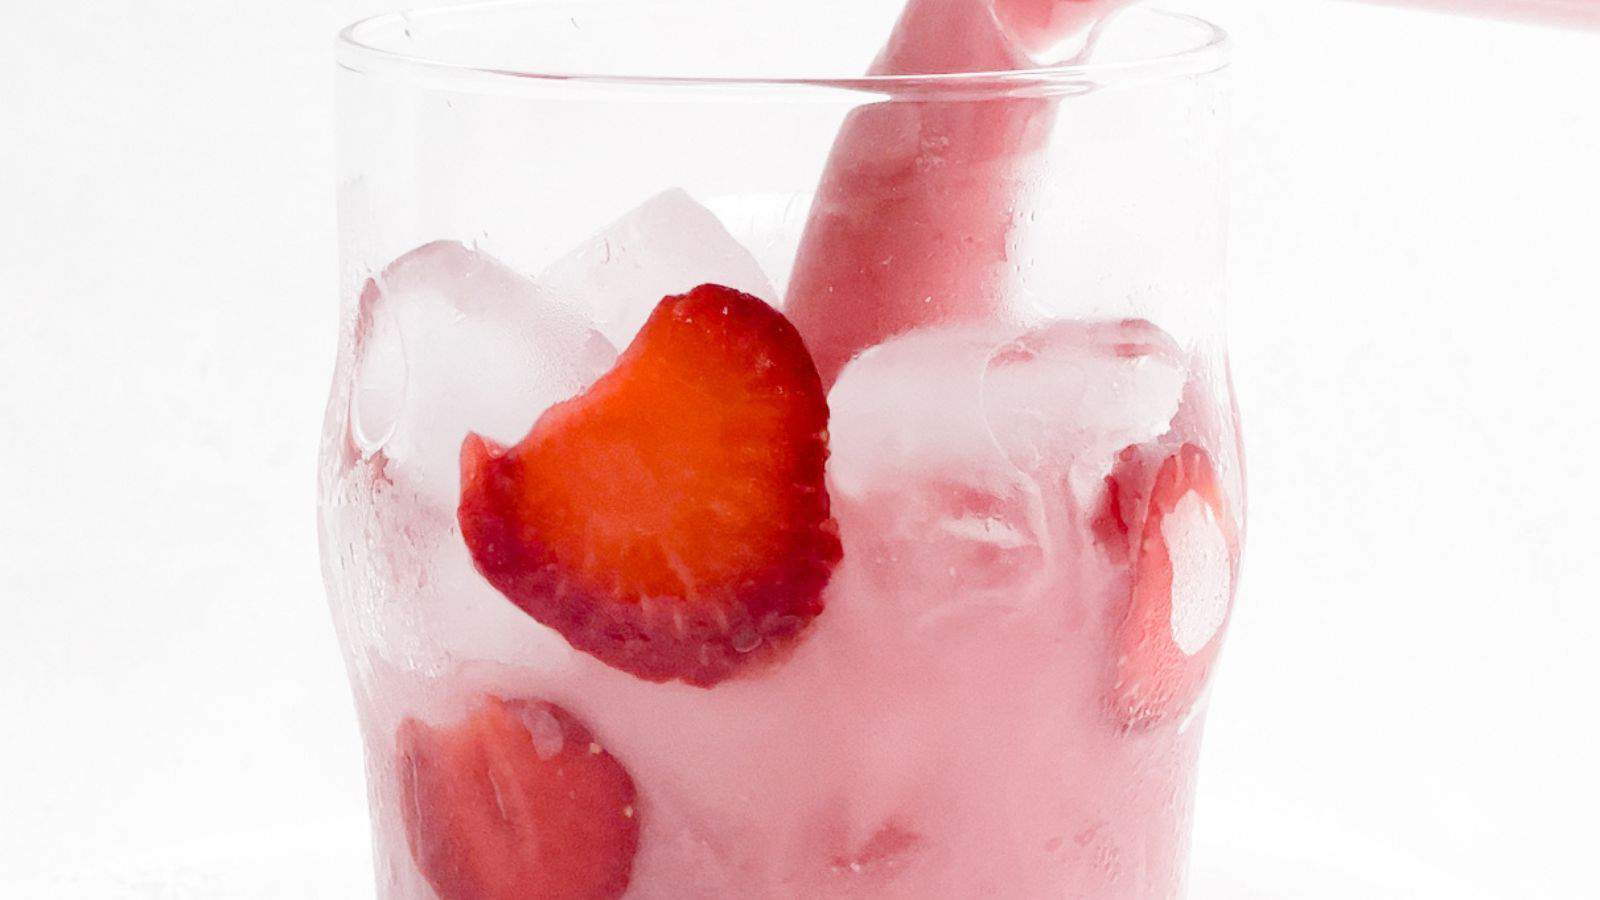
x=954 y=725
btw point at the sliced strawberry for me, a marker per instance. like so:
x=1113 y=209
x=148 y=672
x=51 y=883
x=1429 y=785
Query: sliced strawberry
x=517 y=802
x=1184 y=562
x=672 y=520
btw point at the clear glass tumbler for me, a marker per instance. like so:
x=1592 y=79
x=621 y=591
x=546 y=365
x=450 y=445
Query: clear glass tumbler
x=745 y=478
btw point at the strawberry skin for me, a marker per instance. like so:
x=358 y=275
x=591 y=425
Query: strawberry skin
x=1186 y=555
x=516 y=803
x=672 y=520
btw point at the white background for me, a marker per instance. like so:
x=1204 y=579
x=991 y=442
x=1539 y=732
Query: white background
x=1407 y=706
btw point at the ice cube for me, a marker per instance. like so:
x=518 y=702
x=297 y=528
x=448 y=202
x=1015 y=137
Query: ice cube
x=1076 y=391
x=667 y=245
x=449 y=340
x=770 y=225
x=962 y=499
x=928 y=502
x=413 y=602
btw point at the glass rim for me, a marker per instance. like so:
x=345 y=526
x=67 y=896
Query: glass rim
x=357 y=52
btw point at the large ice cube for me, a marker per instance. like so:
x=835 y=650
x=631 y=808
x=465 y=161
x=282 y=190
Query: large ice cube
x=964 y=458
x=928 y=502
x=769 y=224
x=1077 y=391
x=450 y=340
x=667 y=245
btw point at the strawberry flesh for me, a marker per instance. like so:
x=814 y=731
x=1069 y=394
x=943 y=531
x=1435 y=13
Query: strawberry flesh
x=672 y=520
x=1164 y=657
x=517 y=802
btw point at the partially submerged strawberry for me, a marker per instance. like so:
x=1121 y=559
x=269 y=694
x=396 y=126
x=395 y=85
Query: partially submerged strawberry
x=672 y=520
x=1176 y=530
x=517 y=802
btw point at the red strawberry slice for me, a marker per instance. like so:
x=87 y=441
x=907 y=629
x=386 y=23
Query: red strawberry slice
x=1184 y=563
x=517 y=802
x=672 y=520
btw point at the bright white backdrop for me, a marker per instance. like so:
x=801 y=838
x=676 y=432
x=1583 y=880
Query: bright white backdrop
x=1407 y=705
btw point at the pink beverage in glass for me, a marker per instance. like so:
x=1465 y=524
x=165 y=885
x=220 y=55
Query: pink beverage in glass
x=679 y=548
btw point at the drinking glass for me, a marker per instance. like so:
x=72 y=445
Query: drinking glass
x=743 y=477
